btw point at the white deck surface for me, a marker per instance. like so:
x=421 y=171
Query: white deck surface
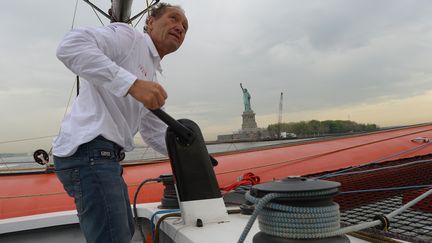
x=38 y=221
x=226 y=232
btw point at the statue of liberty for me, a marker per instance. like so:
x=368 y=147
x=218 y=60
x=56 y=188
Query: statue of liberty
x=246 y=99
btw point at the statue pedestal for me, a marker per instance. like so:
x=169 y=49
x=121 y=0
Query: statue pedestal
x=248 y=132
x=249 y=123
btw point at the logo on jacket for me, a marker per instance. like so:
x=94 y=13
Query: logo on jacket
x=143 y=71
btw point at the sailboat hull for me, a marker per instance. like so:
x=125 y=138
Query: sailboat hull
x=22 y=195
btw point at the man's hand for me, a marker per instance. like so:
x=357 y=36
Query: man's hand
x=151 y=94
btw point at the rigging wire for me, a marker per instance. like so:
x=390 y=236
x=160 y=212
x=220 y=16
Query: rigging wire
x=75 y=11
x=64 y=115
x=4 y=162
x=51 y=193
x=142 y=15
x=97 y=15
x=376 y=169
x=26 y=139
x=73 y=85
x=150 y=182
x=387 y=189
x=35 y=138
x=341 y=172
x=139 y=20
x=298 y=160
x=70 y=97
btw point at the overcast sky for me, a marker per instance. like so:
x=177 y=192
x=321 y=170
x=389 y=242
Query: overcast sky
x=369 y=61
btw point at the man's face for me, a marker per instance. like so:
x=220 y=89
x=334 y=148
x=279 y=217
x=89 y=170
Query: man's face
x=168 y=31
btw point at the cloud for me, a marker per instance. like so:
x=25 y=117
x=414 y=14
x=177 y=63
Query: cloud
x=323 y=55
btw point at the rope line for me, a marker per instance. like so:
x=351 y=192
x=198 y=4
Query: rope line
x=134 y=185
x=376 y=169
x=54 y=193
x=256 y=167
x=32 y=195
x=97 y=15
x=387 y=189
x=3 y=162
x=74 y=15
x=293 y=161
x=142 y=15
x=341 y=172
x=26 y=139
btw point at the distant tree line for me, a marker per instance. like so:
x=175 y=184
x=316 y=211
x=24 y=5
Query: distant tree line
x=317 y=128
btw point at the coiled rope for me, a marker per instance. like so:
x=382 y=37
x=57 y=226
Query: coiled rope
x=294 y=222
x=306 y=223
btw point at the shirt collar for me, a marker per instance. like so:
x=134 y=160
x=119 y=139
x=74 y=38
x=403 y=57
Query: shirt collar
x=153 y=51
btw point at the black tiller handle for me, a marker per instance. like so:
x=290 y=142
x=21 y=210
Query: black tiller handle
x=184 y=133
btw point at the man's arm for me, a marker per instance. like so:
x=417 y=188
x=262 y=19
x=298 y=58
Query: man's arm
x=92 y=54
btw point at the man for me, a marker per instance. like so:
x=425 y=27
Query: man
x=119 y=66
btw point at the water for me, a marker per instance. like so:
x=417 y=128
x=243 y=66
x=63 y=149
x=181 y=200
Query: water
x=11 y=162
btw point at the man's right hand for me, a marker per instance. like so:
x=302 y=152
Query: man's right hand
x=151 y=94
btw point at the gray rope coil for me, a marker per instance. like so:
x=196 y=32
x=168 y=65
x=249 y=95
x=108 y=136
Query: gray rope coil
x=294 y=222
x=314 y=231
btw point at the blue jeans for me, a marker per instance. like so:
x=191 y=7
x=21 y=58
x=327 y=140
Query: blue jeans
x=93 y=177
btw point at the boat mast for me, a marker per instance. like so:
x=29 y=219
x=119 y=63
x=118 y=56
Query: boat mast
x=121 y=10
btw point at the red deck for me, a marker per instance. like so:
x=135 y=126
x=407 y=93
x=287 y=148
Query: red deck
x=22 y=195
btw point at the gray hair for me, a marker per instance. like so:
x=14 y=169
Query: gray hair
x=157 y=11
